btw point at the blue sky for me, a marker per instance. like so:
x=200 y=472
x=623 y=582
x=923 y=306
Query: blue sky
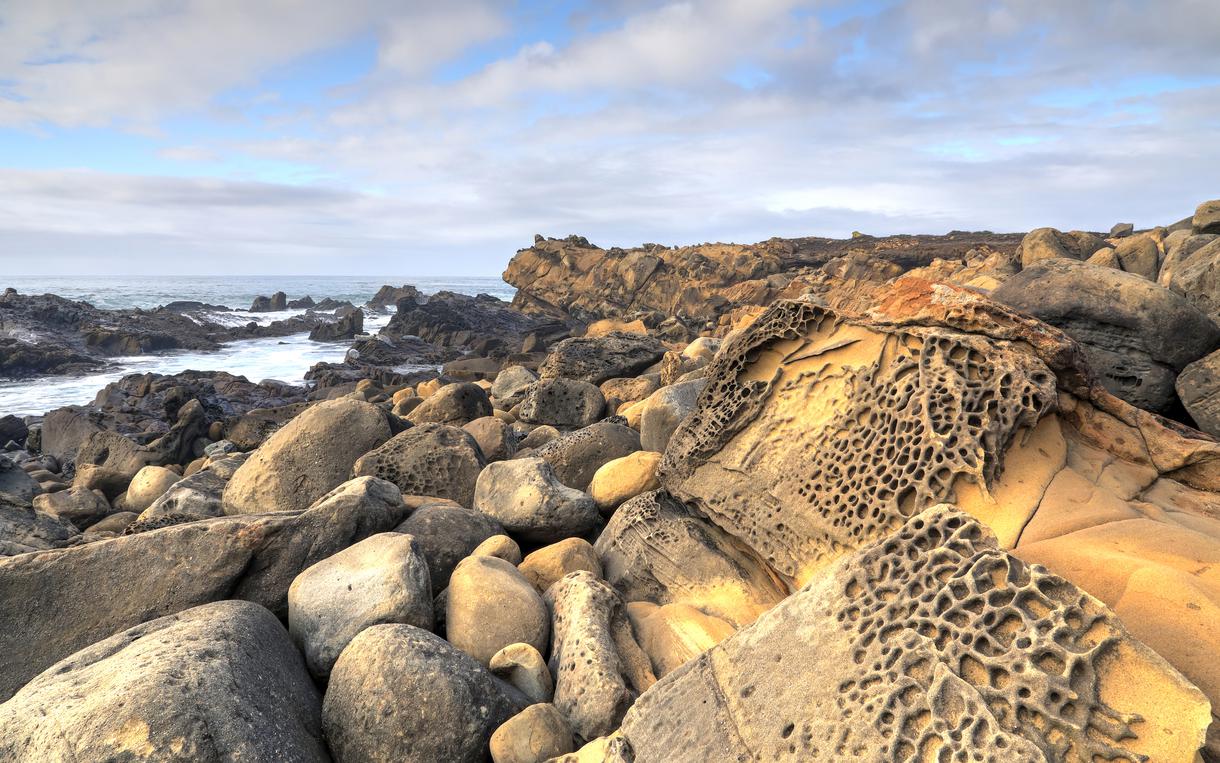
x=187 y=136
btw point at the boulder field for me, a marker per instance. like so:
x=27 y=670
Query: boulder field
x=886 y=506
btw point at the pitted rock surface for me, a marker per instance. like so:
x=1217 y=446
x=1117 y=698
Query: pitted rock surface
x=597 y=359
x=430 y=459
x=929 y=645
x=817 y=434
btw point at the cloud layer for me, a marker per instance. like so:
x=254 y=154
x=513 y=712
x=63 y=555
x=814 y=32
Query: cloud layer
x=379 y=137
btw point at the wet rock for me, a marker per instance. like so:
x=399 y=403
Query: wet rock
x=529 y=501
x=13 y=429
x=54 y=608
x=346 y=327
x=596 y=359
x=578 y=455
x=275 y=303
x=599 y=668
x=490 y=606
x=217 y=682
x=401 y=693
x=454 y=404
x=448 y=533
x=310 y=456
x=430 y=459
x=381 y=579
x=562 y=403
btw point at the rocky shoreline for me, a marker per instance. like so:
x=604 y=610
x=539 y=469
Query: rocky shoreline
x=884 y=498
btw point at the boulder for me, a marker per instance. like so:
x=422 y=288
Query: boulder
x=538 y=436
x=381 y=579
x=491 y=605
x=1207 y=217
x=13 y=429
x=307 y=458
x=78 y=505
x=562 y=402
x=536 y=734
x=346 y=327
x=109 y=482
x=430 y=459
x=522 y=666
x=15 y=482
x=1196 y=276
x=674 y=634
x=528 y=501
x=200 y=494
x=1178 y=247
x=401 y=693
x=664 y=410
x=1198 y=387
x=448 y=533
x=149 y=484
x=877 y=658
x=455 y=404
x=511 y=383
x=1139 y=255
x=24 y=529
x=599 y=668
x=546 y=566
x=501 y=547
x=1047 y=244
x=52 y=605
x=578 y=455
x=629 y=389
x=641 y=546
x=624 y=478
x=596 y=359
x=494 y=436
x=218 y=682
x=275 y=303
x=1137 y=335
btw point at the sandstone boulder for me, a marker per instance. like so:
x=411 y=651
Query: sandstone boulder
x=447 y=534
x=52 y=605
x=511 y=383
x=490 y=605
x=596 y=359
x=562 y=402
x=454 y=404
x=200 y=494
x=1196 y=276
x=624 y=478
x=218 y=682
x=494 y=436
x=1047 y=243
x=80 y=506
x=149 y=484
x=547 y=565
x=1207 y=217
x=578 y=455
x=522 y=666
x=599 y=668
x=307 y=458
x=529 y=501
x=1137 y=335
x=381 y=579
x=430 y=459
x=536 y=734
x=1198 y=387
x=674 y=634
x=401 y=693
x=501 y=547
x=664 y=410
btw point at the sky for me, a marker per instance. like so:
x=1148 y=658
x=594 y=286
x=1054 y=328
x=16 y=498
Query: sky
x=391 y=136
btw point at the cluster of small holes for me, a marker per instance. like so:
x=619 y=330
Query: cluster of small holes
x=156 y=523
x=562 y=403
x=1028 y=643
x=429 y=459
x=941 y=406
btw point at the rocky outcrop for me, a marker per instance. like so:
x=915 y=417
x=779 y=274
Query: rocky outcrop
x=932 y=639
x=214 y=683
x=54 y=604
x=275 y=303
x=346 y=327
x=1137 y=335
x=483 y=323
x=571 y=279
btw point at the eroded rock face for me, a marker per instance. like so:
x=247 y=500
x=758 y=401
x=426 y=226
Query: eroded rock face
x=931 y=640
x=838 y=432
x=562 y=403
x=597 y=359
x=1198 y=387
x=216 y=683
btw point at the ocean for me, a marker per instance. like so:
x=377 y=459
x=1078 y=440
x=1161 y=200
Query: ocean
x=283 y=358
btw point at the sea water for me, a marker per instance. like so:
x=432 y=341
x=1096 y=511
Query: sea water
x=284 y=358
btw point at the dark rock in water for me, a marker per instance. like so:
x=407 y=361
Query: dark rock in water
x=21 y=359
x=52 y=605
x=331 y=304
x=188 y=306
x=273 y=304
x=1136 y=335
x=596 y=359
x=483 y=323
x=24 y=529
x=346 y=327
x=302 y=303
x=217 y=683
x=401 y=693
x=390 y=295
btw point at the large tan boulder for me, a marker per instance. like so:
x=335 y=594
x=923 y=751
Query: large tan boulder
x=490 y=606
x=149 y=484
x=307 y=458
